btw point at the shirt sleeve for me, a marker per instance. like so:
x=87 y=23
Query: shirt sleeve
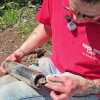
x=44 y=15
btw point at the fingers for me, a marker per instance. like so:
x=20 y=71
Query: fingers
x=58 y=97
x=12 y=57
x=2 y=69
x=55 y=87
x=57 y=79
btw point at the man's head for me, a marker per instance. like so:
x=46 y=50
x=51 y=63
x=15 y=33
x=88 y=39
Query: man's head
x=85 y=8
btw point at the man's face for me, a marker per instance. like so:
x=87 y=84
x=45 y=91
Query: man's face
x=84 y=9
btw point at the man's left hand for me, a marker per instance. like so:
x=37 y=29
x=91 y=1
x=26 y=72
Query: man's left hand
x=70 y=87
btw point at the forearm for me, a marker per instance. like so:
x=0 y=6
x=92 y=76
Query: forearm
x=38 y=37
x=91 y=86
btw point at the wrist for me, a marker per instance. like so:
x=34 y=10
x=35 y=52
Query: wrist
x=82 y=86
x=20 y=52
x=88 y=86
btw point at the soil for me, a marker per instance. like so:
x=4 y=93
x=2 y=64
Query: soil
x=10 y=41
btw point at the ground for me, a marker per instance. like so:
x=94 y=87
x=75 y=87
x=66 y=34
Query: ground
x=10 y=41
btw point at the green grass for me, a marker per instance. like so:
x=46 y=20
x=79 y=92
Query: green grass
x=10 y=17
x=27 y=21
x=20 y=1
x=24 y=19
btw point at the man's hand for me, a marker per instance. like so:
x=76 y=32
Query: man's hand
x=70 y=87
x=13 y=57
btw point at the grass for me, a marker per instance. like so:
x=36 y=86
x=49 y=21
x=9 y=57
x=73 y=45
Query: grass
x=27 y=21
x=24 y=19
x=10 y=17
x=19 y=1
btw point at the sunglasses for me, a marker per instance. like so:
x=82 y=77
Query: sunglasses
x=77 y=13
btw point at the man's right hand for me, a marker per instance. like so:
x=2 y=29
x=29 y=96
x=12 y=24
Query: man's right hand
x=13 y=57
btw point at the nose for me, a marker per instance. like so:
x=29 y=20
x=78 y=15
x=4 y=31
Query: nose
x=79 y=18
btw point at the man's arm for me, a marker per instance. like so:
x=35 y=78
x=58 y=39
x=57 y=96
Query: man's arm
x=72 y=86
x=91 y=86
x=40 y=35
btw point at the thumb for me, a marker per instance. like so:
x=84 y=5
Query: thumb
x=3 y=70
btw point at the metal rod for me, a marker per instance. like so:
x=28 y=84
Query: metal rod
x=30 y=76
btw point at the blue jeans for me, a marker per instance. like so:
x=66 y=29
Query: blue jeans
x=13 y=89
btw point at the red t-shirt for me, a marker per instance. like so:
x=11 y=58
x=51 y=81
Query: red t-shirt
x=75 y=51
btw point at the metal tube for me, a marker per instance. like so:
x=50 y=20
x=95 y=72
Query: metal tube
x=30 y=76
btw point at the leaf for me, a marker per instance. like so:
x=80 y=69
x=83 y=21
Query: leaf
x=2 y=7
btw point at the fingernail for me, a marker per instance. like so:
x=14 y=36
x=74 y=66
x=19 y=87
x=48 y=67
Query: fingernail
x=45 y=84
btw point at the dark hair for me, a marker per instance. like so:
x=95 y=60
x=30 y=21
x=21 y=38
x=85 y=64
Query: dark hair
x=91 y=1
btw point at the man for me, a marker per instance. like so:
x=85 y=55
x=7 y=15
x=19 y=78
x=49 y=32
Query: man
x=76 y=53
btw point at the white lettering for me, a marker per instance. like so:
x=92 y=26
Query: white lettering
x=90 y=49
x=87 y=47
x=96 y=51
